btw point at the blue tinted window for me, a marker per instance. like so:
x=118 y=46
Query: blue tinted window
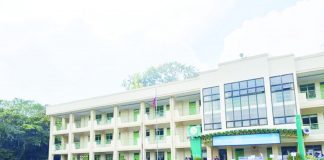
x=251 y=83
x=283 y=99
x=275 y=80
x=239 y=112
x=211 y=108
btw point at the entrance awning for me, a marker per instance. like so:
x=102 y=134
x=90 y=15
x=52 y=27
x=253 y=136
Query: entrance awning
x=252 y=139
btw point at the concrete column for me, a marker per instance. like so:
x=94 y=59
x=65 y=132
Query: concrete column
x=275 y=151
x=142 y=129
x=63 y=123
x=229 y=151
x=267 y=91
x=103 y=138
x=209 y=152
x=222 y=106
x=92 y=134
x=172 y=128
x=71 y=137
x=215 y=152
x=296 y=93
x=115 y=134
x=51 y=138
x=323 y=148
x=63 y=157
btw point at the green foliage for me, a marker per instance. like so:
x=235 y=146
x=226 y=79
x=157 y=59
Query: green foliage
x=24 y=130
x=197 y=158
x=168 y=72
x=310 y=157
x=207 y=138
x=296 y=158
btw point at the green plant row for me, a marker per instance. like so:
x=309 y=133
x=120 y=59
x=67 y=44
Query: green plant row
x=207 y=138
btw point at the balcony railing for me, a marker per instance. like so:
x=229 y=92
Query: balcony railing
x=157 y=115
x=188 y=112
x=312 y=126
x=108 y=143
x=130 y=142
x=60 y=127
x=310 y=102
x=78 y=124
x=78 y=145
x=105 y=122
x=158 y=139
x=59 y=147
x=129 y=119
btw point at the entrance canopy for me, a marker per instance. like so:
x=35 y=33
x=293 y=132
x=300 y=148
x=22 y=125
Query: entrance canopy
x=252 y=139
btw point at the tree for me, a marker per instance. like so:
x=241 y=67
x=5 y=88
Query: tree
x=168 y=72
x=24 y=130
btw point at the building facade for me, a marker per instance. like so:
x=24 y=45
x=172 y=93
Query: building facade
x=247 y=95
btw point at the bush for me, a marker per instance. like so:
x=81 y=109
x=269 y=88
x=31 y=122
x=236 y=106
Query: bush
x=296 y=158
x=310 y=157
x=197 y=158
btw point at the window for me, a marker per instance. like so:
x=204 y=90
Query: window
x=147 y=110
x=283 y=99
x=147 y=133
x=245 y=103
x=309 y=89
x=147 y=155
x=97 y=157
x=98 y=139
x=98 y=118
x=167 y=107
x=109 y=137
x=159 y=111
x=311 y=121
x=286 y=150
x=314 y=150
x=58 y=140
x=109 y=156
x=322 y=90
x=110 y=116
x=192 y=108
x=159 y=132
x=211 y=107
x=168 y=132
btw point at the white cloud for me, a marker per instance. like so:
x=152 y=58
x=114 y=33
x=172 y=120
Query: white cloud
x=57 y=51
x=298 y=29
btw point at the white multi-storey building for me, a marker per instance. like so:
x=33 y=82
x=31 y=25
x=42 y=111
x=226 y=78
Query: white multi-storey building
x=249 y=94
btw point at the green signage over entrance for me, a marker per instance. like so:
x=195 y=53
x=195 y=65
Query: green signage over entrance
x=194 y=133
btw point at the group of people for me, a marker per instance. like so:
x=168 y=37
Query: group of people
x=317 y=155
x=189 y=158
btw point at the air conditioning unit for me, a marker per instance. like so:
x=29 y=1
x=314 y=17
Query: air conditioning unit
x=306 y=130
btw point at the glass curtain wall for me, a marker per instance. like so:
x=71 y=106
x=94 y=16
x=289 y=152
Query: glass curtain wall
x=212 y=113
x=283 y=99
x=245 y=103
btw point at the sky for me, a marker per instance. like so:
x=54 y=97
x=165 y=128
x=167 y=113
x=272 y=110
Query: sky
x=64 y=50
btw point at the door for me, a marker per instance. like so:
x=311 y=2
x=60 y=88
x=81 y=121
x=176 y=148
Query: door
x=136 y=113
x=322 y=89
x=136 y=156
x=135 y=137
x=121 y=156
x=160 y=156
x=192 y=108
x=109 y=157
x=239 y=152
x=222 y=154
x=269 y=152
x=169 y=156
x=110 y=117
x=159 y=111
